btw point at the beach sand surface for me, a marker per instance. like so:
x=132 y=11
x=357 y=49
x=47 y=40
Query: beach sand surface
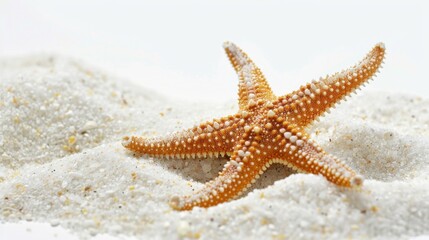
x=63 y=168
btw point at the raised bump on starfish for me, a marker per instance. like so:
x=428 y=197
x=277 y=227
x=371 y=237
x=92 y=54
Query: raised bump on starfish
x=267 y=129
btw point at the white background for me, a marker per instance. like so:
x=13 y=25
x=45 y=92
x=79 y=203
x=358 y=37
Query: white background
x=176 y=49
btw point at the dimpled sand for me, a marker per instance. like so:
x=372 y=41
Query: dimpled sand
x=61 y=162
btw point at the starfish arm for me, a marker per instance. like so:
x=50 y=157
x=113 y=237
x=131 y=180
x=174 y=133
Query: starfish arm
x=211 y=139
x=243 y=168
x=314 y=99
x=306 y=156
x=252 y=86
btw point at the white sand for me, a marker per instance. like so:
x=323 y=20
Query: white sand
x=61 y=162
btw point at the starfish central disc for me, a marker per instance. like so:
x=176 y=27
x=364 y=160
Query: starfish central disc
x=266 y=130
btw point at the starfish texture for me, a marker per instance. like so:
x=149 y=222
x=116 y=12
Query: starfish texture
x=267 y=129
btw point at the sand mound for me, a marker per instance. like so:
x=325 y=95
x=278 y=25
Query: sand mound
x=62 y=163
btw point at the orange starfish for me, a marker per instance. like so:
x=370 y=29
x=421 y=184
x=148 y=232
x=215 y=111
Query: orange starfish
x=266 y=130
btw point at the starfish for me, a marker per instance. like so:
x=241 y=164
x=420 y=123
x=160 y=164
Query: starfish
x=267 y=129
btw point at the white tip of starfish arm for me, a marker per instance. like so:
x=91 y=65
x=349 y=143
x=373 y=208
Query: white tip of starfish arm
x=236 y=53
x=126 y=141
x=232 y=48
x=381 y=45
x=357 y=181
x=228 y=44
x=175 y=203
